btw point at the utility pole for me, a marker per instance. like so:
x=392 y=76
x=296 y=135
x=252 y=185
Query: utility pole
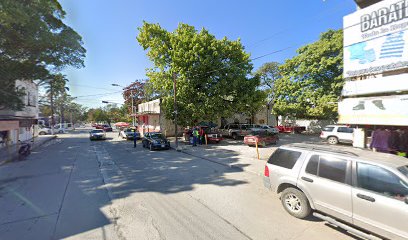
x=133 y=111
x=175 y=108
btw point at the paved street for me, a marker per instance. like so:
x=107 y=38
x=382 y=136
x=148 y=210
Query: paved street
x=77 y=189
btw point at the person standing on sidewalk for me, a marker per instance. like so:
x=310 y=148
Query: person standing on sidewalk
x=134 y=138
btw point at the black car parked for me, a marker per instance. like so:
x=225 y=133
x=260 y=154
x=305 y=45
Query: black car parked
x=155 y=140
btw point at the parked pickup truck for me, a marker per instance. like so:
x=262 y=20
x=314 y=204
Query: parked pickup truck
x=236 y=131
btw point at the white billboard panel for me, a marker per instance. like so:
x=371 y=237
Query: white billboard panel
x=384 y=110
x=390 y=84
x=375 y=37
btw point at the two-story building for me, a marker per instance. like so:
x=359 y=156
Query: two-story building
x=19 y=125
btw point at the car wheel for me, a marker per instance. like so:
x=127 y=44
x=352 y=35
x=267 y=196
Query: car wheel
x=234 y=136
x=151 y=147
x=332 y=140
x=295 y=203
x=41 y=133
x=60 y=131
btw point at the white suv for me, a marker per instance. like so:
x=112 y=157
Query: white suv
x=337 y=133
x=361 y=191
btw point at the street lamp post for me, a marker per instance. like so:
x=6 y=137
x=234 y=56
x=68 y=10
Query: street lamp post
x=132 y=98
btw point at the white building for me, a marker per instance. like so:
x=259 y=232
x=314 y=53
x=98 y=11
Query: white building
x=20 y=125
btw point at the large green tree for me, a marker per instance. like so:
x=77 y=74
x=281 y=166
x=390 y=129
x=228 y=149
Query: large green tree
x=212 y=75
x=311 y=81
x=34 y=42
x=269 y=73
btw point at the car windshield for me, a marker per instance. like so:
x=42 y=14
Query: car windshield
x=128 y=130
x=404 y=170
x=97 y=131
x=156 y=135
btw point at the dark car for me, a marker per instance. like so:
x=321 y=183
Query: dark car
x=155 y=140
x=129 y=134
x=107 y=128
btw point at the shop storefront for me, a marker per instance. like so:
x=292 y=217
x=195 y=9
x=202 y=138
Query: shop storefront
x=375 y=95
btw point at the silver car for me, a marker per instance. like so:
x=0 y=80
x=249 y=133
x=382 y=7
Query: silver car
x=97 y=134
x=361 y=191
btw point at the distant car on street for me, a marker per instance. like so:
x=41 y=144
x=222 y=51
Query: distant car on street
x=337 y=133
x=129 y=134
x=155 y=140
x=97 y=134
x=212 y=135
x=268 y=128
x=107 y=128
x=236 y=130
x=291 y=129
x=44 y=131
x=66 y=126
x=60 y=130
x=261 y=137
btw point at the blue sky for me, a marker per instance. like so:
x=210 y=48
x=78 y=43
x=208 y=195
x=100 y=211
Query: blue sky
x=109 y=30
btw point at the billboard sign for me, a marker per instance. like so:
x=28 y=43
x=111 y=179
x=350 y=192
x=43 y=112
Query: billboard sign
x=375 y=39
x=391 y=84
x=384 y=110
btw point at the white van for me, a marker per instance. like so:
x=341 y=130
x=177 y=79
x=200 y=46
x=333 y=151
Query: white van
x=64 y=126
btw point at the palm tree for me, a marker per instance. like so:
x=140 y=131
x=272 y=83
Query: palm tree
x=54 y=86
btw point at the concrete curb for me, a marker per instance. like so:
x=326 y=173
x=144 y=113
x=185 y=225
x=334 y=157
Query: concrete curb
x=220 y=163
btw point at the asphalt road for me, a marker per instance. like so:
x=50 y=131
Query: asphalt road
x=77 y=189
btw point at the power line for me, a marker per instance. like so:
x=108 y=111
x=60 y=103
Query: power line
x=101 y=94
x=303 y=23
x=87 y=86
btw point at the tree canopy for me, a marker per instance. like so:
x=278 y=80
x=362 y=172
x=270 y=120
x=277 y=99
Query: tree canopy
x=311 y=81
x=269 y=73
x=34 y=43
x=213 y=76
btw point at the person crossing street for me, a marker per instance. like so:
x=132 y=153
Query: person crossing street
x=134 y=138
x=196 y=135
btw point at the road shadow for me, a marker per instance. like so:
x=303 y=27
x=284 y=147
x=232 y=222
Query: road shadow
x=167 y=171
x=68 y=188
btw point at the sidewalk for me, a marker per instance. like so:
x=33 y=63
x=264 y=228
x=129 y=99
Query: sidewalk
x=234 y=153
x=57 y=192
x=10 y=153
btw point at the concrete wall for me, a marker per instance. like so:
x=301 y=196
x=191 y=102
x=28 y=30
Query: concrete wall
x=264 y=116
x=168 y=128
x=313 y=126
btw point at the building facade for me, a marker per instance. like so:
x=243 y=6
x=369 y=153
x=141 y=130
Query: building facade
x=19 y=125
x=375 y=94
x=150 y=118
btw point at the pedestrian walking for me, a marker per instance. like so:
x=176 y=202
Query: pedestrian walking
x=201 y=136
x=134 y=138
x=195 y=136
